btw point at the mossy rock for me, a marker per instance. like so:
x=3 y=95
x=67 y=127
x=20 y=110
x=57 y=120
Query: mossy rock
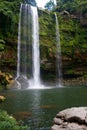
x=2 y=98
x=5 y=80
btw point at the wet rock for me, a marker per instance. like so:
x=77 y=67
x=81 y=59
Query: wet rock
x=6 y=80
x=71 y=119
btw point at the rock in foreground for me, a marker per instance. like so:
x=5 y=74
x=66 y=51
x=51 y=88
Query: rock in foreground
x=71 y=119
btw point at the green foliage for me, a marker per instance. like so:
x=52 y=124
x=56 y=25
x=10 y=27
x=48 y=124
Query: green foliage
x=3 y=83
x=9 y=123
x=47 y=33
x=9 y=13
x=70 y=71
x=50 y=5
x=2 y=45
x=73 y=6
x=85 y=75
x=8 y=9
x=73 y=34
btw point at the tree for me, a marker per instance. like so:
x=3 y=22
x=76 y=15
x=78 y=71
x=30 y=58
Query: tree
x=50 y=5
x=32 y=2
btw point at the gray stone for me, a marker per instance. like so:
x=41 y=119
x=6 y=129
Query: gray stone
x=58 y=121
x=71 y=119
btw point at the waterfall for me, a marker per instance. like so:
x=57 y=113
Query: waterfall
x=28 y=46
x=28 y=65
x=23 y=41
x=59 y=61
x=19 y=37
x=35 y=82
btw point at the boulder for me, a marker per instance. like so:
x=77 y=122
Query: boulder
x=71 y=119
x=2 y=98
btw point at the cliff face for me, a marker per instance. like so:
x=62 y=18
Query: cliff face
x=73 y=43
x=73 y=37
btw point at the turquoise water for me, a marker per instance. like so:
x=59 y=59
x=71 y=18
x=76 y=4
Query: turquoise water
x=38 y=107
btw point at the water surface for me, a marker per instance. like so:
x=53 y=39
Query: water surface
x=38 y=107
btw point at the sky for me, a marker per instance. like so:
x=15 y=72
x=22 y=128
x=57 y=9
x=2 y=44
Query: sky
x=41 y=3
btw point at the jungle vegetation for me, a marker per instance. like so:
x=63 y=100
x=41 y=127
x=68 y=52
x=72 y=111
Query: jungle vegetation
x=72 y=16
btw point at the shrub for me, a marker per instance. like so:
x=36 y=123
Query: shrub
x=9 y=123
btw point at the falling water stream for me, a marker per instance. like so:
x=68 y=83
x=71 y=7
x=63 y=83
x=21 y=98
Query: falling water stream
x=28 y=49
x=35 y=82
x=23 y=41
x=28 y=35
x=19 y=37
x=59 y=61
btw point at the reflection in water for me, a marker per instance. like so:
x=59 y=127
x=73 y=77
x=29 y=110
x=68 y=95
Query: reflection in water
x=36 y=110
x=38 y=107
